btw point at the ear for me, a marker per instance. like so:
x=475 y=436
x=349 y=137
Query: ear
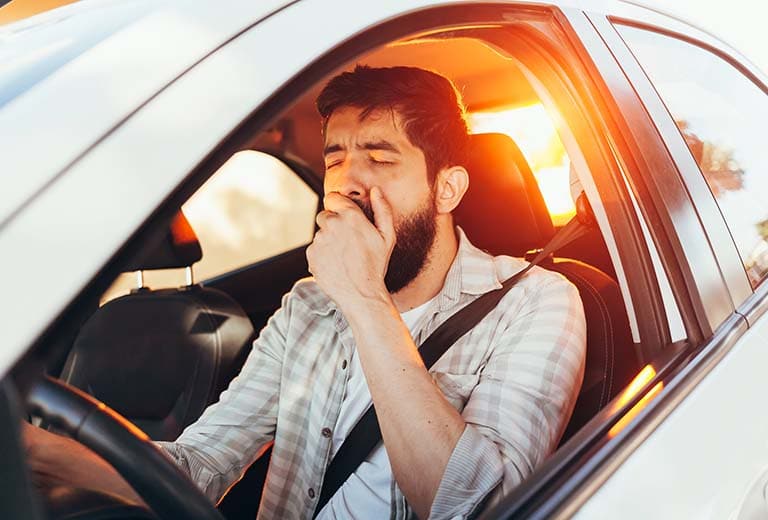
x=450 y=186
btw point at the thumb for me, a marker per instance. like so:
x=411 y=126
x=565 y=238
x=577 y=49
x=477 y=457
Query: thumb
x=382 y=215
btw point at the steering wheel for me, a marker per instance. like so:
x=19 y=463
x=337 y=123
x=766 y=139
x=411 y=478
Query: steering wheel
x=170 y=493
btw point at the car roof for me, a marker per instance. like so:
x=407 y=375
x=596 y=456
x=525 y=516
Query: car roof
x=95 y=62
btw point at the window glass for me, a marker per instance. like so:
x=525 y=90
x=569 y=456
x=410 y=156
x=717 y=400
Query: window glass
x=252 y=208
x=720 y=113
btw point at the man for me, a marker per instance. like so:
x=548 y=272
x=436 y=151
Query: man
x=388 y=267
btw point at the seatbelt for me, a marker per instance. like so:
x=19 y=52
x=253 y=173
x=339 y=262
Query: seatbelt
x=366 y=434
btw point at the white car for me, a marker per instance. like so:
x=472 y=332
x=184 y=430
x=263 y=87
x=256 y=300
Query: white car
x=114 y=114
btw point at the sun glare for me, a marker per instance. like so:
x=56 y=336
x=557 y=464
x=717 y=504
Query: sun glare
x=532 y=129
x=640 y=381
x=644 y=377
x=632 y=413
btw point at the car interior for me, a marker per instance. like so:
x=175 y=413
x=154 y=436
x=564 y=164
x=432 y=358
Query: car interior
x=160 y=354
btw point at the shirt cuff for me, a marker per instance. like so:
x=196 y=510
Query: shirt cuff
x=472 y=472
x=202 y=476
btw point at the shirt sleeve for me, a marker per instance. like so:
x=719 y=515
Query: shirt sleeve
x=233 y=432
x=520 y=407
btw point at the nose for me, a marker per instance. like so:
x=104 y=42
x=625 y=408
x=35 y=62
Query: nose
x=347 y=179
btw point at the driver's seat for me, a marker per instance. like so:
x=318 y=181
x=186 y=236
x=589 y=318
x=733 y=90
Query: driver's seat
x=504 y=212
x=160 y=357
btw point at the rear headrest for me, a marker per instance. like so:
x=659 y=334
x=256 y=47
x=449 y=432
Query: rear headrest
x=503 y=211
x=178 y=248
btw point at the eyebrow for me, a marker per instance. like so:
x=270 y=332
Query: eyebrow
x=370 y=146
x=332 y=148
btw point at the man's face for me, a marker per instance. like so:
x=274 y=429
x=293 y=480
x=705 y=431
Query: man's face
x=376 y=152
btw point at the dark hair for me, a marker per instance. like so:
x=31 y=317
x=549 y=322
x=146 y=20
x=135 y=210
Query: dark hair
x=428 y=104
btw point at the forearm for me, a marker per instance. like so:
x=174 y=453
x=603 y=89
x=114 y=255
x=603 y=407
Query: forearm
x=419 y=426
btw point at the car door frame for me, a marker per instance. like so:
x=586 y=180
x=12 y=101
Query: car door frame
x=749 y=305
x=749 y=302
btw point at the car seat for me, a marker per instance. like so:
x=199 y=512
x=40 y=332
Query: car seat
x=160 y=357
x=503 y=212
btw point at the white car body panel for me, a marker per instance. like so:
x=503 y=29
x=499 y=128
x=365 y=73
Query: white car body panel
x=703 y=459
x=72 y=108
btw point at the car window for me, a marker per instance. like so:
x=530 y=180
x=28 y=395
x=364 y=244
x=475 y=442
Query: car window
x=254 y=207
x=720 y=113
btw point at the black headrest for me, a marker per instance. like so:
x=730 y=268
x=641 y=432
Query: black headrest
x=503 y=211
x=179 y=247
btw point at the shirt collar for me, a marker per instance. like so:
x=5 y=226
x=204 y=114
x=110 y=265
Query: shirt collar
x=472 y=272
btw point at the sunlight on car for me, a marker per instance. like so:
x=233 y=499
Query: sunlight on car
x=532 y=129
x=632 y=413
x=644 y=377
x=19 y=9
x=641 y=379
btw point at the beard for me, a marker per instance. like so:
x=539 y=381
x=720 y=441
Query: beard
x=415 y=235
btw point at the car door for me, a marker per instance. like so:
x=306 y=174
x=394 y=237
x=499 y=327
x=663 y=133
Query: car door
x=710 y=286
x=703 y=455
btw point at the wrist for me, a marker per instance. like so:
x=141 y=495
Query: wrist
x=371 y=307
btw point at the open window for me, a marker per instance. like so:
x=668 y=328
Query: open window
x=510 y=87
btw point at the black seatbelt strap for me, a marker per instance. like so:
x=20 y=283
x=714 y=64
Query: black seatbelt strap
x=366 y=434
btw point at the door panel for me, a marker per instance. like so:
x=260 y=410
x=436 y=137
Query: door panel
x=703 y=458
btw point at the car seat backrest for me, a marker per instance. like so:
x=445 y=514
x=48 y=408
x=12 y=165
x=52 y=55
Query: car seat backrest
x=503 y=212
x=503 y=207
x=160 y=357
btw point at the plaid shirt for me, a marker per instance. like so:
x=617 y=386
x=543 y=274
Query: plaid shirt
x=514 y=377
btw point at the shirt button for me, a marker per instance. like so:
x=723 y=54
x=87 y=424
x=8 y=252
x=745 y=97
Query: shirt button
x=326 y=432
x=311 y=493
x=344 y=364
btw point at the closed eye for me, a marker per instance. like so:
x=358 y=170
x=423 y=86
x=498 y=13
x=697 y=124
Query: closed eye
x=379 y=161
x=377 y=157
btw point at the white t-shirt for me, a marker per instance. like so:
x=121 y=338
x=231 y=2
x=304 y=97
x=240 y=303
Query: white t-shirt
x=366 y=493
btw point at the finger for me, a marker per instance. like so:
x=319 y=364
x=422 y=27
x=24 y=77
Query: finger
x=382 y=215
x=310 y=253
x=323 y=217
x=338 y=203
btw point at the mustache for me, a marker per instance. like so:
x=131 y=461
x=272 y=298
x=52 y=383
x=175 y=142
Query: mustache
x=366 y=208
